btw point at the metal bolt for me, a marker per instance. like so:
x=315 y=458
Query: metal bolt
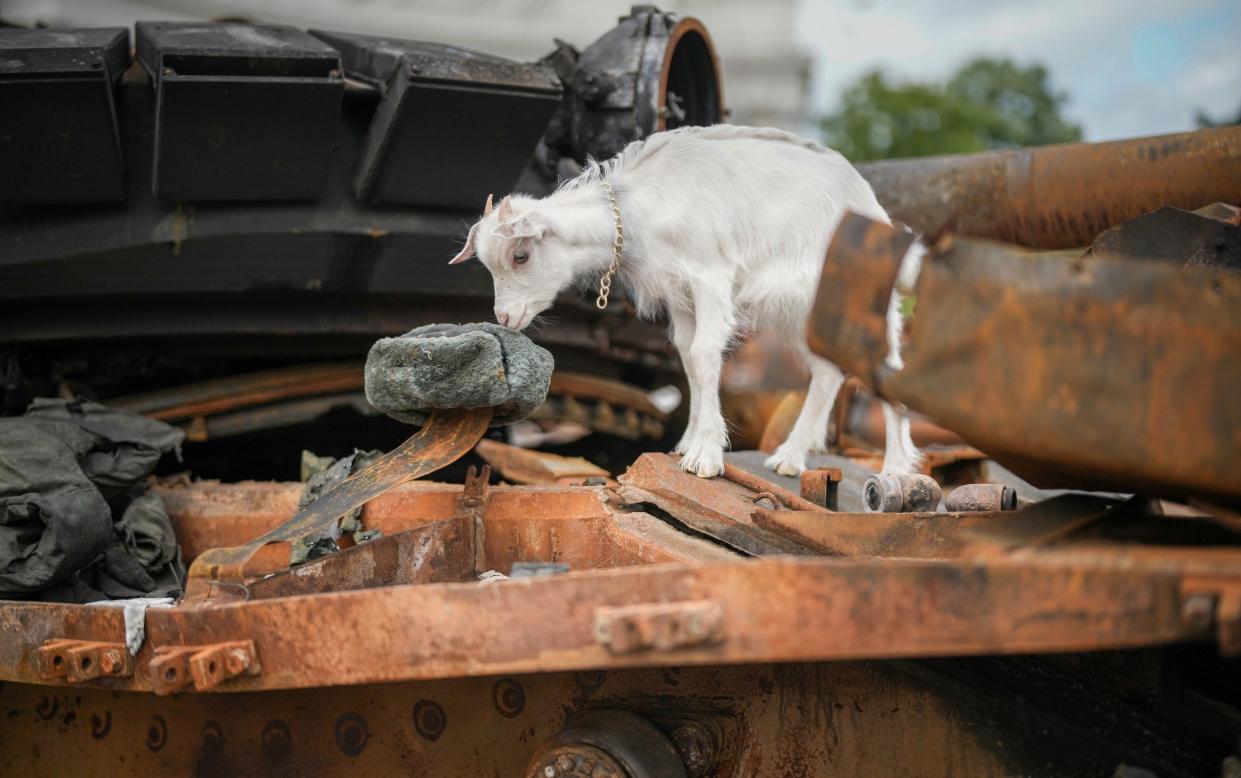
x=1198 y=612
x=766 y=500
x=110 y=661
x=603 y=632
x=695 y=627
x=237 y=661
x=698 y=744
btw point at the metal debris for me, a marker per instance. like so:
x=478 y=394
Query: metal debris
x=1058 y=197
x=900 y=493
x=524 y=466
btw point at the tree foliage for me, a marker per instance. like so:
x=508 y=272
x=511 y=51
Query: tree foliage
x=987 y=104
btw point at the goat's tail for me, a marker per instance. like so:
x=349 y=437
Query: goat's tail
x=906 y=278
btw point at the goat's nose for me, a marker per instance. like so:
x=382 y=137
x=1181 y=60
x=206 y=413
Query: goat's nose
x=501 y=317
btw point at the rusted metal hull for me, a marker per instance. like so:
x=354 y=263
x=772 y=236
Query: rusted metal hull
x=1095 y=372
x=845 y=718
x=651 y=619
x=949 y=603
x=1062 y=196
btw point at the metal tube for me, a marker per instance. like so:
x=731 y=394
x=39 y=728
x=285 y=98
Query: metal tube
x=1056 y=197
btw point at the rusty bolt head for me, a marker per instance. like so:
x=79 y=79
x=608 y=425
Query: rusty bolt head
x=110 y=661
x=1198 y=612
x=237 y=661
x=766 y=500
x=694 y=626
x=603 y=632
x=699 y=746
x=575 y=761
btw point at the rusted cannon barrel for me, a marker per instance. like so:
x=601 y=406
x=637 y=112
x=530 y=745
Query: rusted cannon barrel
x=1057 y=197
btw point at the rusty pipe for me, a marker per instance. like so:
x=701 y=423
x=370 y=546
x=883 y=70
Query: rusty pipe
x=1062 y=196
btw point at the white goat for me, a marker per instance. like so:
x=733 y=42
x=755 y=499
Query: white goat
x=725 y=228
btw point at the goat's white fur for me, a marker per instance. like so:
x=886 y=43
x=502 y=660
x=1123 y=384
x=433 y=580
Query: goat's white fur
x=725 y=229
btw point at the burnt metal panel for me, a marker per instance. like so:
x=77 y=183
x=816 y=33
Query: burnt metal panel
x=59 y=141
x=452 y=126
x=243 y=112
x=1096 y=372
x=1190 y=239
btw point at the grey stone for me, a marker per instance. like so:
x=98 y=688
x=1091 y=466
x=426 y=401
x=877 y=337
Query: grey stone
x=458 y=366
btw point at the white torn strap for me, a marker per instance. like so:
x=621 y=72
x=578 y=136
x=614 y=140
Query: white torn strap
x=135 y=611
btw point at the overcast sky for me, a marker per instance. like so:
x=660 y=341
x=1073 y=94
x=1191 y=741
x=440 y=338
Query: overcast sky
x=1130 y=67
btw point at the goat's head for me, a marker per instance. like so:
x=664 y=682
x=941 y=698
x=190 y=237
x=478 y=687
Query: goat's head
x=529 y=263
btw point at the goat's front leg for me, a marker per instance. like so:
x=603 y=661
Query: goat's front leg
x=703 y=446
x=809 y=433
x=683 y=339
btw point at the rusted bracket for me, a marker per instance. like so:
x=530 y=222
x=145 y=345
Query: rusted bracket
x=662 y=626
x=445 y=438
x=472 y=503
x=821 y=486
x=82 y=660
x=1208 y=601
x=176 y=667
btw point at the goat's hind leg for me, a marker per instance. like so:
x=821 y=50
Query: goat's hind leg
x=900 y=455
x=809 y=432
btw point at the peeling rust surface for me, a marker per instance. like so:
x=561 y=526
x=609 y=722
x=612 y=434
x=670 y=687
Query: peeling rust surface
x=850 y=329
x=1055 y=197
x=841 y=718
x=855 y=608
x=912 y=535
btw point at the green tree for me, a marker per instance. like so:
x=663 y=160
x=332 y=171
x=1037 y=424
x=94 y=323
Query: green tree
x=987 y=104
x=1206 y=121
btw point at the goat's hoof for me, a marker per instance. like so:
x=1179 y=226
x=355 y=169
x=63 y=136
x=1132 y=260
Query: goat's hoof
x=703 y=465
x=786 y=464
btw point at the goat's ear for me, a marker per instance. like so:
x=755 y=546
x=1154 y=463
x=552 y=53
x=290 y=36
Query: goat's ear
x=531 y=225
x=467 y=251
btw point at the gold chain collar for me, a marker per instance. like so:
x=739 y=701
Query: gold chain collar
x=618 y=246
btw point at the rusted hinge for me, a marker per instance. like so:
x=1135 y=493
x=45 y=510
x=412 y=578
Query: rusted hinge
x=175 y=667
x=82 y=660
x=661 y=626
x=1208 y=601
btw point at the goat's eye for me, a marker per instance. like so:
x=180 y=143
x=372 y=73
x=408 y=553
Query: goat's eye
x=520 y=257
